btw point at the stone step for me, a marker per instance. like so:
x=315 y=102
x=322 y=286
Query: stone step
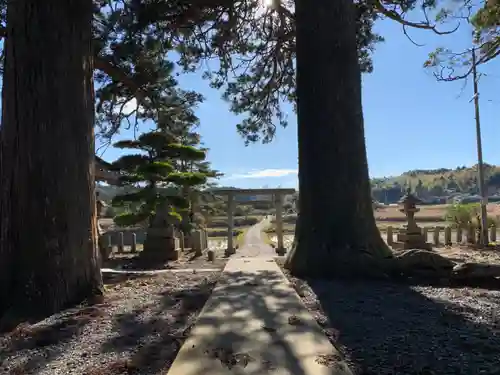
x=255 y=323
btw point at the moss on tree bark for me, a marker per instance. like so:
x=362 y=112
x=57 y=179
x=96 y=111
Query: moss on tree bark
x=336 y=233
x=48 y=239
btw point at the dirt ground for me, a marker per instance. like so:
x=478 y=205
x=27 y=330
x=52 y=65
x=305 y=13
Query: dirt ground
x=383 y=328
x=463 y=254
x=436 y=212
x=138 y=329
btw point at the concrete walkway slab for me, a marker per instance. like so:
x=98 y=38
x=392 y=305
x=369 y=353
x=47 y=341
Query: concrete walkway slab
x=255 y=323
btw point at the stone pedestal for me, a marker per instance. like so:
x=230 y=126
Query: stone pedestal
x=161 y=245
x=413 y=240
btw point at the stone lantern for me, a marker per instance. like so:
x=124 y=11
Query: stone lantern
x=411 y=235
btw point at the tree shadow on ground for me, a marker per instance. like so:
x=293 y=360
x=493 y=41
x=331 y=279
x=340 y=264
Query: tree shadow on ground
x=393 y=328
x=71 y=340
x=111 y=278
x=53 y=333
x=252 y=338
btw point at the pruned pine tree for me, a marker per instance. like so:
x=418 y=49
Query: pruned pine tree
x=154 y=172
x=184 y=126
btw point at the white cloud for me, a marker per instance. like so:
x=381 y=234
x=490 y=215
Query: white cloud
x=130 y=106
x=264 y=173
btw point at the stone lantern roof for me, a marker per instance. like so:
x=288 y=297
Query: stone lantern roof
x=409 y=199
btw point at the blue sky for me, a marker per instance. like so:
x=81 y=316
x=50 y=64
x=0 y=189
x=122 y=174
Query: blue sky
x=411 y=120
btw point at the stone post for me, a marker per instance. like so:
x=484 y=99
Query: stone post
x=120 y=243
x=181 y=241
x=204 y=236
x=197 y=242
x=133 y=247
x=210 y=255
x=436 y=236
x=230 y=223
x=447 y=236
x=105 y=246
x=471 y=234
x=459 y=234
x=425 y=233
x=109 y=243
x=278 y=199
x=390 y=238
x=493 y=233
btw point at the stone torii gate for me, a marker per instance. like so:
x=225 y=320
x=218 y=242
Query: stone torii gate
x=277 y=194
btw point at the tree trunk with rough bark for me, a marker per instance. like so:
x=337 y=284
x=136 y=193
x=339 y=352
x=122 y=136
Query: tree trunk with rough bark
x=48 y=239
x=336 y=233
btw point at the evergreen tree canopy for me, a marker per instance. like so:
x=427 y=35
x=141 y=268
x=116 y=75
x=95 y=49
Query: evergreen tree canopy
x=141 y=45
x=152 y=169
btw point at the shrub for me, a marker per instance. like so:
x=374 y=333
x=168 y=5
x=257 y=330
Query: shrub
x=463 y=213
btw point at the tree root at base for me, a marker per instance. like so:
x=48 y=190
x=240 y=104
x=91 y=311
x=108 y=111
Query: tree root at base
x=415 y=265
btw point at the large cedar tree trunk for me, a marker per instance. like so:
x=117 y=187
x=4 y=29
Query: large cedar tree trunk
x=336 y=233
x=48 y=252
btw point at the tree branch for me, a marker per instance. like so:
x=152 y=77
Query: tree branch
x=395 y=16
x=106 y=67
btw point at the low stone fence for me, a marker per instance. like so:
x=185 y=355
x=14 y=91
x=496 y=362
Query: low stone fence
x=446 y=236
x=124 y=242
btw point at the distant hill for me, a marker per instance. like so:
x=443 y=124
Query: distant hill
x=429 y=184
x=435 y=183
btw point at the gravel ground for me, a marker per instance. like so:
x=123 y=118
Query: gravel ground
x=392 y=329
x=137 y=330
x=187 y=260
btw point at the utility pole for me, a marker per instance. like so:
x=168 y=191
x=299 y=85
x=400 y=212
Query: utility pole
x=480 y=168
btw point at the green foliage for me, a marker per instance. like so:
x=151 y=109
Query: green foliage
x=253 y=48
x=156 y=166
x=187 y=178
x=260 y=42
x=461 y=214
x=132 y=40
x=131 y=218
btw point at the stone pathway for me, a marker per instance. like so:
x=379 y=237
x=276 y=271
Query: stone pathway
x=255 y=323
x=253 y=243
